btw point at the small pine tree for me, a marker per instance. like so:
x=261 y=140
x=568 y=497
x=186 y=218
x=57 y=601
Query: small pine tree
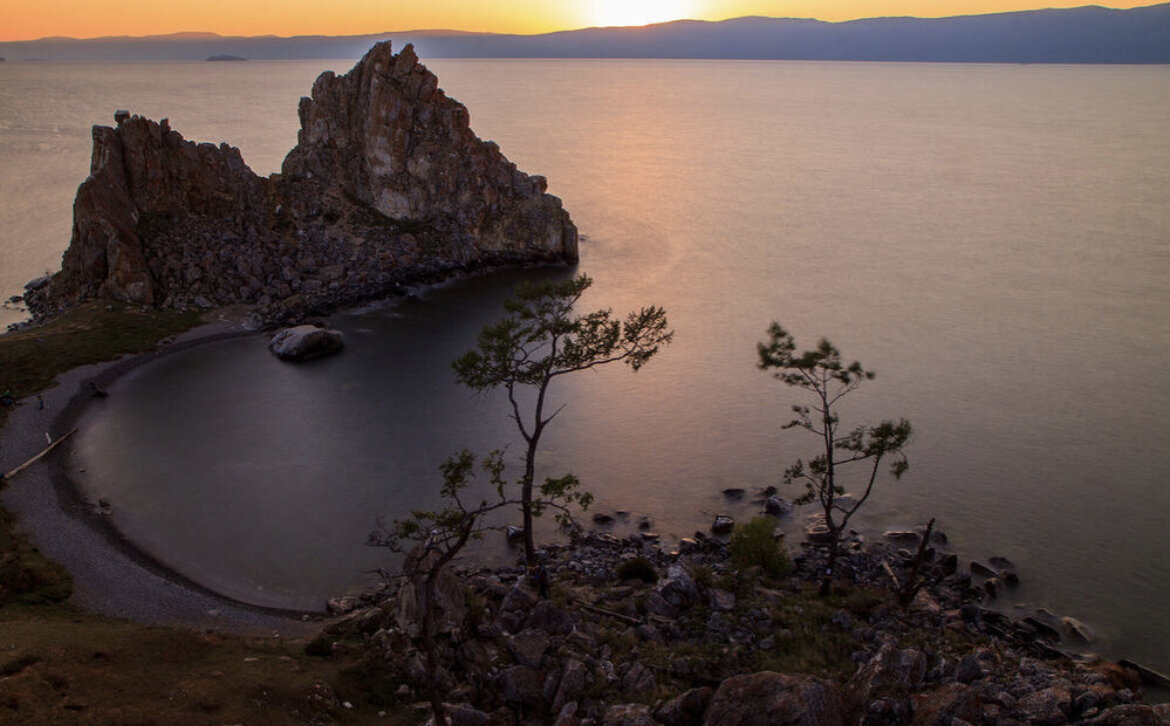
x=432 y=538
x=542 y=339
x=822 y=373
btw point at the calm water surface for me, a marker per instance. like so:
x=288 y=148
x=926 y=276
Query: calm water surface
x=993 y=240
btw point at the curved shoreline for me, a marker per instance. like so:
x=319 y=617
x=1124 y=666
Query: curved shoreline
x=112 y=575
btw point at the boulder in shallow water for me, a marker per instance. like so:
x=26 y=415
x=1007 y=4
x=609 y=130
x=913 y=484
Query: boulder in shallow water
x=305 y=342
x=723 y=524
x=1076 y=631
x=777 y=506
x=902 y=537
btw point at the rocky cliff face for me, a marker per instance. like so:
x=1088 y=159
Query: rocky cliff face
x=388 y=184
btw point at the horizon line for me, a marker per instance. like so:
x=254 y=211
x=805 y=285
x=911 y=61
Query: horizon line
x=208 y=34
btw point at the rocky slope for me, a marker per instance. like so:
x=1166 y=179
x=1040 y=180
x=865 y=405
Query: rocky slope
x=388 y=184
x=707 y=644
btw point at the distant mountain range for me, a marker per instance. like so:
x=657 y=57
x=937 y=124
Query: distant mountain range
x=1091 y=34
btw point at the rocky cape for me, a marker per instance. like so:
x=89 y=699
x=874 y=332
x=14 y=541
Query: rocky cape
x=387 y=185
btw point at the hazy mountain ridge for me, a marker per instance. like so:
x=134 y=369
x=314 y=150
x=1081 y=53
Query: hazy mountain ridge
x=1090 y=34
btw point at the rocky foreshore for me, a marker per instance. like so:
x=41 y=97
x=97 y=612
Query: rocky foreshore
x=388 y=185
x=686 y=638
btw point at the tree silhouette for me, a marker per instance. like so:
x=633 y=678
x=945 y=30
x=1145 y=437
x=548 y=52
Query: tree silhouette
x=822 y=373
x=542 y=339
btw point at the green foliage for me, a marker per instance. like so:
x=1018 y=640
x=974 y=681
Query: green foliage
x=621 y=640
x=806 y=640
x=638 y=568
x=823 y=373
x=703 y=576
x=560 y=492
x=859 y=601
x=541 y=339
x=560 y=596
x=31 y=359
x=26 y=576
x=432 y=538
x=753 y=544
x=448 y=529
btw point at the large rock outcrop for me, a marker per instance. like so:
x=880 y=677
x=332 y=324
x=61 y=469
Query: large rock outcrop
x=388 y=184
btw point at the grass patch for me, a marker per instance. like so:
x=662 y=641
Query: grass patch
x=754 y=545
x=370 y=683
x=26 y=576
x=73 y=668
x=806 y=639
x=30 y=360
x=703 y=576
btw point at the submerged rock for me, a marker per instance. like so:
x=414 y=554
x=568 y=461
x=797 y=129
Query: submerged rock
x=305 y=342
x=777 y=506
x=902 y=536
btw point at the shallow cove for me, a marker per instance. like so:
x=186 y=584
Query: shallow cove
x=268 y=476
x=991 y=240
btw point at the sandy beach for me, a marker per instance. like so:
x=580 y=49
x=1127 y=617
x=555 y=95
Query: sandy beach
x=110 y=575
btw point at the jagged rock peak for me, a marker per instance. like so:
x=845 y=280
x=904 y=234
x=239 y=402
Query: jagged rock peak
x=141 y=171
x=386 y=133
x=388 y=184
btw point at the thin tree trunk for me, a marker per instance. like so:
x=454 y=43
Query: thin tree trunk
x=428 y=627
x=915 y=582
x=526 y=503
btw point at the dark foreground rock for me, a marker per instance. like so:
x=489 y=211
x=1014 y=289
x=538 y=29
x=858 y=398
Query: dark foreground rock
x=710 y=645
x=770 y=699
x=387 y=185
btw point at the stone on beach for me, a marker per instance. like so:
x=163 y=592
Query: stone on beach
x=305 y=342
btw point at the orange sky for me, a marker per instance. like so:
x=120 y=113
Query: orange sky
x=29 y=19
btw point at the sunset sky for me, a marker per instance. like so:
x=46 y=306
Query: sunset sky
x=96 y=18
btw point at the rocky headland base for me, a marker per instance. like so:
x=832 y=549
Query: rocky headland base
x=387 y=185
x=690 y=639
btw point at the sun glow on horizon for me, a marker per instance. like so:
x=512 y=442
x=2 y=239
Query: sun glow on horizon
x=639 y=12
x=92 y=18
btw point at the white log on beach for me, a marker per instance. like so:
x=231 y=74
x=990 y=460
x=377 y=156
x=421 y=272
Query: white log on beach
x=52 y=445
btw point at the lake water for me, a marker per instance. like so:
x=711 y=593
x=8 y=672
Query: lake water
x=993 y=240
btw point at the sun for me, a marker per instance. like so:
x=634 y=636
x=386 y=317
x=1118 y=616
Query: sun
x=638 y=12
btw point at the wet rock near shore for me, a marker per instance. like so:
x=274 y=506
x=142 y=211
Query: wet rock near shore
x=701 y=645
x=305 y=342
x=387 y=185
